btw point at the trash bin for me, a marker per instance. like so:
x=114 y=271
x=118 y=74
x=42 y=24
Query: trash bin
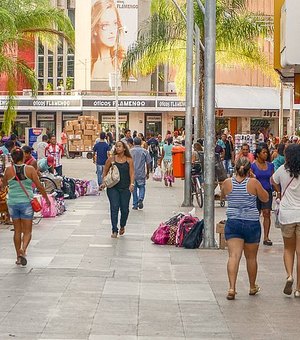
x=178 y=161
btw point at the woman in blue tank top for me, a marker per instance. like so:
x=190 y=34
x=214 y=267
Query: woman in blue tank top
x=18 y=202
x=242 y=229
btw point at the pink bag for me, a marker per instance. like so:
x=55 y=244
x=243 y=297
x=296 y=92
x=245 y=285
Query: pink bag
x=49 y=211
x=161 y=235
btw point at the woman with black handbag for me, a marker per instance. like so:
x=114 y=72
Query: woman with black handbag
x=120 y=187
x=19 y=178
x=286 y=181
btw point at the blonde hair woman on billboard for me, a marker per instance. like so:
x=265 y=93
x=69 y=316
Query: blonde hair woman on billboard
x=107 y=37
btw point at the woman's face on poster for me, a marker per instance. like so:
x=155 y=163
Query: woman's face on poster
x=108 y=27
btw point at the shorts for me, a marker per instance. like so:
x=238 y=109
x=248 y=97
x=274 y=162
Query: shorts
x=21 y=211
x=265 y=205
x=249 y=231
x=289 y=230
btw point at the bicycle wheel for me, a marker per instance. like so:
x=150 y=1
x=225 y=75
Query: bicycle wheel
x=198 y=192
x=49 y=185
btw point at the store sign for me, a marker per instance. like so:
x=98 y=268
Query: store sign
x=19 y=118
x=55 y=103
x=170 y=103
x=106 y=103
x=112 y=119
x=270 y=113
x=45 y=117
x=153 y=118
x=70 y=116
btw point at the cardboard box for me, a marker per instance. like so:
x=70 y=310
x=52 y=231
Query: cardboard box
x=77 y=142
x=82 y=125
x=77 y=137
x=76 y=127
x=69 y=129
x=87 y=143
x=71 y=137
x=72 y=148
x=87 y=137
x=74 y=122
x=78 y=132
x=88 y=132
x=89 y=126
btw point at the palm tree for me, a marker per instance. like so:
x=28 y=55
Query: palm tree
x=162 y=40
x=21 y=22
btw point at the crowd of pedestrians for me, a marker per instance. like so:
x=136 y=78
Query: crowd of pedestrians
x=271 y=173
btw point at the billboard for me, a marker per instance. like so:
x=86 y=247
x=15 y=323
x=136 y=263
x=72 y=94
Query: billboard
x=114 y=26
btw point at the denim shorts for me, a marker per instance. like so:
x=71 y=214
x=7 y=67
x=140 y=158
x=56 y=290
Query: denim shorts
x=249 y=231
x=21 y=211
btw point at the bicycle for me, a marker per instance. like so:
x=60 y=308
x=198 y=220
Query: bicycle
x=197 y=188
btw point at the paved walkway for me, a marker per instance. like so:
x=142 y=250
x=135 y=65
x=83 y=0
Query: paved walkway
x=81 y=284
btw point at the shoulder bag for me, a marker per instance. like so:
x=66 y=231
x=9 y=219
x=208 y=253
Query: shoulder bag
x=36 y=206
x=277 y=223
x=113 y=176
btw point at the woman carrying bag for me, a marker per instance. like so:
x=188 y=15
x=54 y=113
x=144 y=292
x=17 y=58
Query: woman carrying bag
x=19 y=178
x=119 y=191
x=286 y=181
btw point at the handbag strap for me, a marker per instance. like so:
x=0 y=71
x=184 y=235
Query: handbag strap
x=21 y=184
x=287 y=187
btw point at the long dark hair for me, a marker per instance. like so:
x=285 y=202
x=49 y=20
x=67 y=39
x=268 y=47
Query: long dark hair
x=242 y=166
x=126 y=150
x=292 y=160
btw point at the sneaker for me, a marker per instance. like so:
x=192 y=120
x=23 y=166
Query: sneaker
x=140 y=204
x=297 y=294
x=114 y=235
x=134 y=208
x=288 y=288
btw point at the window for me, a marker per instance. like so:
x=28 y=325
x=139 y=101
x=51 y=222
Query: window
x=40 y=66
x=50 y=66
x=60 y=66
x=70 y=66
x=71 y=15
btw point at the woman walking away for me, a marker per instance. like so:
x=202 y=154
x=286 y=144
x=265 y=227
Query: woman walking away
x=242 y=229
x=263 y=171
x=166 y=158
x=286 y=181
x=19 y=206
x=119 y=195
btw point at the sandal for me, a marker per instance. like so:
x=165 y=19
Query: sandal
x=288 y=288
x=122 y=231
x=23 y=260
x=18 y=262
x=231 y=294
x=255 y=290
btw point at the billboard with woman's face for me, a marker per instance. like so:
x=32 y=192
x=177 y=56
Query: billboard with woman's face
x=114 y=25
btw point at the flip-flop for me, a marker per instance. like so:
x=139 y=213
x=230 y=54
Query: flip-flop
x=23 y=260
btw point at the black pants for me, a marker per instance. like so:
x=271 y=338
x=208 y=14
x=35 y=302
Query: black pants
x=119 y=200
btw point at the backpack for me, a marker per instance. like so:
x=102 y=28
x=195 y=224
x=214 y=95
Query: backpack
x=49 y=211
x=186 y=223
x=153 y=148
x=68 y=187
x=60 y=202
x=161 y=234
x=193 y=238
x=92 y=188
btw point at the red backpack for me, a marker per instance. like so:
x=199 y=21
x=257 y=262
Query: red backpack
x=186 y=223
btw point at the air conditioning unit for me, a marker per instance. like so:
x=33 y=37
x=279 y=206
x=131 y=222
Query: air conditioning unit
x=27 y=92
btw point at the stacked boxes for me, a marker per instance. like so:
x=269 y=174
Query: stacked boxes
x=82 y=133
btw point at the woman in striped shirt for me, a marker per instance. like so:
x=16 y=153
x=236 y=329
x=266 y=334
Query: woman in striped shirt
x=242 y=229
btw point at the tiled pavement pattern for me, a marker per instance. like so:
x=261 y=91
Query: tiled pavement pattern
x=81 y=284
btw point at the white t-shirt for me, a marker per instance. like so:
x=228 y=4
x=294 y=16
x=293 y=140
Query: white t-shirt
x=289 y=211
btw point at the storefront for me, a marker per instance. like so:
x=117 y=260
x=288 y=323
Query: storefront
x=47 y=121
x=22 y=121
x=153 y=124
x=108 y=122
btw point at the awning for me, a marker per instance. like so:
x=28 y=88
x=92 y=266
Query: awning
x=253 y=98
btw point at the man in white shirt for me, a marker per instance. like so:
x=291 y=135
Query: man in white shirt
x=40 y=150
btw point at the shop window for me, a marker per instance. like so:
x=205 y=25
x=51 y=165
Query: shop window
x=50 y=66
x=41 y=66
x=71 y=15
x=70 y=66
x=60 y=66
x=41 y=48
